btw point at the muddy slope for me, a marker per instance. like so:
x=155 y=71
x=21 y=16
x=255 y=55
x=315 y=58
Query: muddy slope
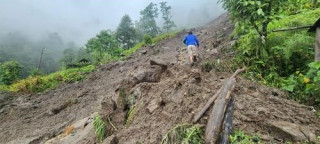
x=164 y=95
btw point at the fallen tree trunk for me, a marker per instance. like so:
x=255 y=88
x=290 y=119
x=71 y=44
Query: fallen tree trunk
x=227 y=123
x=212 y=99
x=216 y=117
x=206 y=107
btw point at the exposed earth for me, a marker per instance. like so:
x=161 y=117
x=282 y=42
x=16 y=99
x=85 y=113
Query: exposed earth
x=164 y=90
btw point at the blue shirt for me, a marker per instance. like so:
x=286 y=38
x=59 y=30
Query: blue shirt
x=191 y=39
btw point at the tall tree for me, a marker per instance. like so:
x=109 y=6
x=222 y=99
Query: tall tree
x=126 y=34
x=147 y=23
x=166 y=15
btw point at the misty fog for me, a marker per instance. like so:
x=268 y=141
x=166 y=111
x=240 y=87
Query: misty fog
x=79 y=20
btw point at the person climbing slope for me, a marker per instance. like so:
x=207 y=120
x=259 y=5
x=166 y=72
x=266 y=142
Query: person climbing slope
x=193 y=46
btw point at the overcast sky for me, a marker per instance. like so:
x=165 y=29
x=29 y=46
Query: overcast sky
x=79 y=20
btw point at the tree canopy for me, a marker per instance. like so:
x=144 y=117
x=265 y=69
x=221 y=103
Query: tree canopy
x=147 y=23
x=126 y=33
x=166 y=15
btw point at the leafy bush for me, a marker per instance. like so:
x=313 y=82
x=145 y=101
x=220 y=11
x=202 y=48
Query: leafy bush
x=99 y=128
x=284 y=53
x=147 y=39
x=304 y=87
x=9 y=72
x=35 y=72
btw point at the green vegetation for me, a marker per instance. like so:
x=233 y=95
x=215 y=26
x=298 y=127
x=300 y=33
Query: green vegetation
x=239 y=137
x=147 y=23
x=154 y=41
x=278 y=59
x=106 y=46
x=100 y=128
x=129 y=116
x=9 y=72
x=34 y=84
x=126 y=34
x=166 y=16
x=185 y=134
x=147 y=39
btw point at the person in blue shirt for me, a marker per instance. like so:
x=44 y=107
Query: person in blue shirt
x=193 y=46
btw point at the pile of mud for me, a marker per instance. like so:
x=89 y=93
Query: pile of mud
x=161 y=90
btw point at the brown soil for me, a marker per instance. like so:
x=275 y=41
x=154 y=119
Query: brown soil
x=163 y=97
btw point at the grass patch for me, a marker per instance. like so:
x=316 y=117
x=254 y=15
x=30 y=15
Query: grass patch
x=185 y=134
x=129 y=117
x=239 y=137
x=218 y=65
x=100 y=128
x=35 y=84
x=154 y=41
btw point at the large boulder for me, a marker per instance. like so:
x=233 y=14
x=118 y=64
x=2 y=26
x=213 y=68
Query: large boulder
x=291 y=132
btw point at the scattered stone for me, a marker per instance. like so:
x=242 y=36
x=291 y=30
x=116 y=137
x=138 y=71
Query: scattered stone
x=108 y=106
x=143 y=52
x=266 y=138
x=153 y=105
x=111 y=140
x=159 y=62
x=152 y=75
x=136 y=94
x=165 y=115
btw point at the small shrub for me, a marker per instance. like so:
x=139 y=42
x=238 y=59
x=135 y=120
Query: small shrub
x=99 y=128
x=185 y=134
x=35 y=72
x=219 y=65
x=147 y=39
x=9 y=72
x=239 y=137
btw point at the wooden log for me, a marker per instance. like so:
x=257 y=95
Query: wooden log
x=317 y=46
x=213 y=98
x=227 y=123
x=293 y=28
x=216 y=117
x=206 y=107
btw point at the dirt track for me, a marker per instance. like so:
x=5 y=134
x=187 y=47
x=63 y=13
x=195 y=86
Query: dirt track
x=162 y=97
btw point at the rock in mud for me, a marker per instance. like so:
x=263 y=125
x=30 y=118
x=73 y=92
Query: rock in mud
x=291 y=132
x=108 y=106
x=152 y=75
x=143 y=52
x=111 y=140
x=153 y=105
x=158 y=62
x=136 y=94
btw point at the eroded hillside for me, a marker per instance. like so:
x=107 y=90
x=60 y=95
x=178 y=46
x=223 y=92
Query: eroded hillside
x=162 y=90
